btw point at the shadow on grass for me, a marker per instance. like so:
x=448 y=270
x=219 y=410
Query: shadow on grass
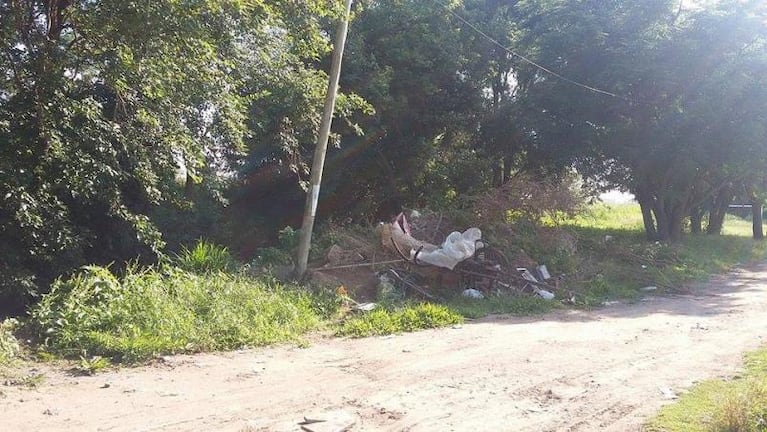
x=723 y=295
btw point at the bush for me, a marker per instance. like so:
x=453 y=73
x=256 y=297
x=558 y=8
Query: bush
x=169 y=310
x=9 y=346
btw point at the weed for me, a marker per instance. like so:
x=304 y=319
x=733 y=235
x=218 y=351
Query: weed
x=27 y=381
x=92 y=365
x=407 y=318
x=205 y=257
x=9 y=346
x=615 y=261
x=169 y=310
x=281 y=254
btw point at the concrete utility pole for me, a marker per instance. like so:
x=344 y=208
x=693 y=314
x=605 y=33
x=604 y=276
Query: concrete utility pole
x=318 y=163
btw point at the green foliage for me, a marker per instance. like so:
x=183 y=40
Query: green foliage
x=738 y=405
x=205 y=257
x=9 y=346
x=501 y=304
x=407 y=318
x=168 y=310
x=283 y=253
x=109 y=134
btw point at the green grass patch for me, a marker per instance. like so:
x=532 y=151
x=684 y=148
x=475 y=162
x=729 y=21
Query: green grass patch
x=738 y=405
x=168 y=310
x=614 y=260
x=405 y=318
x=501 y=304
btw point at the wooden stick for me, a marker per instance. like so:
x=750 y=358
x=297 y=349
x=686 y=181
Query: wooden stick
x=369 y=264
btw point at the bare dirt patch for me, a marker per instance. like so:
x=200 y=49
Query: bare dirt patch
x=607 y=369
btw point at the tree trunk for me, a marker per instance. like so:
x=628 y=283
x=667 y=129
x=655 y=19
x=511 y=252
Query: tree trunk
x=676 y=226
x=696 y=221
x=646 y=205
x=498 y=173
x=649 y=223
x=757 y=220
x=670 y=218
x=507 y=165
x=663 y=233
x=718 y=211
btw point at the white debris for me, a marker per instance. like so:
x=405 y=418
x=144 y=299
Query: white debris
x=472 y=293
x=546 y=295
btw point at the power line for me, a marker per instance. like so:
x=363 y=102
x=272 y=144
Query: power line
x=527 y=60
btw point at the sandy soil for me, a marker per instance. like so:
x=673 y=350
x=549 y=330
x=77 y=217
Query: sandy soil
x=568 y=371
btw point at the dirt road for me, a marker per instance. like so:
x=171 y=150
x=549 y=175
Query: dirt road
x=567 y=371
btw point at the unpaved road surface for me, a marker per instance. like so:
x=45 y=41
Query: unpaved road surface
x=566 y=371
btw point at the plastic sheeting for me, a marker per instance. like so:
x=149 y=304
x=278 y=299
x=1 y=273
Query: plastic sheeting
x=456 y=248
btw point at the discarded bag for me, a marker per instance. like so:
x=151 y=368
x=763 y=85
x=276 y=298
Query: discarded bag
x=457 y=246
x=472 y=293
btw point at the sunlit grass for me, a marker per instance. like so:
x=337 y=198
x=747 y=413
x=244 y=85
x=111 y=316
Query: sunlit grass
x=404 y=318
x=150 y=312
x=738 y=405
x=617 y=261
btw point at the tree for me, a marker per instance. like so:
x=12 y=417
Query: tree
x=104 y=103
x=685 y=122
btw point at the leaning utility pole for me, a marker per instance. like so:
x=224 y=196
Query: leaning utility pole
x=318 y=163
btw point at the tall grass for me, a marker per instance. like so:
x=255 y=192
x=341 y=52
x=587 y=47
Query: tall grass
x=205 y=257
x=169 y=310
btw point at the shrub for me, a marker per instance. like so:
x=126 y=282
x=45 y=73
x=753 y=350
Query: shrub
x=9 y=346
x=169 y=310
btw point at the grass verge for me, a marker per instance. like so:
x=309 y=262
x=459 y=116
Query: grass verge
x=168 y=310
x=501 y=304
x=738 y=405
x=615 y=261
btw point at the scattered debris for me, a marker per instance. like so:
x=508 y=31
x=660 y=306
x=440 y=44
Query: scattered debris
x=546 y=295
x=543 y=272
x=668 y=393
x=472 y=293
x=462 y=263
x=365 y=307
x=330 y=421
x=457 y=246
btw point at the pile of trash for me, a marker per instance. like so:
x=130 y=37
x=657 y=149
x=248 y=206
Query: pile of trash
x=462 y=262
